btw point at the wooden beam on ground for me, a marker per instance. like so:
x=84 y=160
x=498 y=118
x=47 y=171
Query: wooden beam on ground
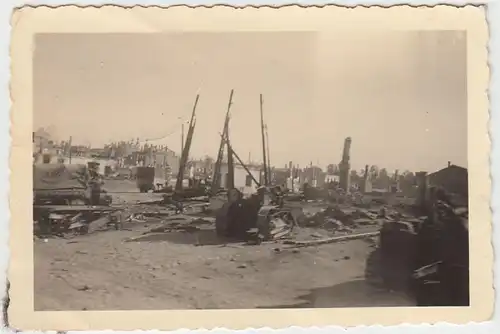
x=331 y=240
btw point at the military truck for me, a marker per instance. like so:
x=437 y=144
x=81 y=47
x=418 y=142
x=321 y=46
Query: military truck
x=60 y=184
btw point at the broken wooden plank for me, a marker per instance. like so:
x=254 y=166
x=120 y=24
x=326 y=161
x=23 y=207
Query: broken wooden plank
x=150 y=202
x=330 y=240
x=76 y=217
x=74 y=208
x=99 y=223
x=55 y=216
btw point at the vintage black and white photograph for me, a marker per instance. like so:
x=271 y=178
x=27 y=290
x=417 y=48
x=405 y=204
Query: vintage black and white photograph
x=250 y=169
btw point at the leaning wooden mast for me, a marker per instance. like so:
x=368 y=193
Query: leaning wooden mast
x=266 y=178
x=220 y=154
x=187 y=146
x=239 y=160
x=230 y=161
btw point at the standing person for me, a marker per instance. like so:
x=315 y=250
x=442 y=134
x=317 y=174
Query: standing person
x=266 y=195
x=179 y=207
x=277 y=196
x=95 y=184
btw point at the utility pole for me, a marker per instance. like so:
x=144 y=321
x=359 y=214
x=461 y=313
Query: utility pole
x=315 y=176
x=266 y=177
x=268 y=156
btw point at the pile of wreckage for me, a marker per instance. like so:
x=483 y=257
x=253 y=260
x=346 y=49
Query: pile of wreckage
x=62 y=201
x=347 y=218
x=429 y=255
x=421 y=248
x=261 y=217
x=63 y=205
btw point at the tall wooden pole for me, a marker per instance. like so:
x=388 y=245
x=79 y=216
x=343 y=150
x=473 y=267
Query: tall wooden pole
x=266 y=177
x=230 y=163
x=182 y=136
x=270 y=175
x=220 y=154
x=187 y=146
x=69 y=144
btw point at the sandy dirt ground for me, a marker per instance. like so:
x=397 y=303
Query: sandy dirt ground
x=107 y=271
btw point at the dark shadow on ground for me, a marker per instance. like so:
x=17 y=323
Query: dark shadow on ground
x=200 y=237
x=382 y=286
x=358 y=293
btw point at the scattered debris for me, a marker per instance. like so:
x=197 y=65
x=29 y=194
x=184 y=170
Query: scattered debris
x=274 y=223
x=421 y=243
x=84 y=288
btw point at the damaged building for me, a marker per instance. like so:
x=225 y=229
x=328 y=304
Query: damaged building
x=454 y=179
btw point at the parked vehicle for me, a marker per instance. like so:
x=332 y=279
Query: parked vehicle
x=145 y=178
x=59 y=184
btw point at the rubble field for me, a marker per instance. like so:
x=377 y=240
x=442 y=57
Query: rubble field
x=176 y=261
x=103 y=272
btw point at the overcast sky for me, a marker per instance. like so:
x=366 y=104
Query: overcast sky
x=401 y=96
